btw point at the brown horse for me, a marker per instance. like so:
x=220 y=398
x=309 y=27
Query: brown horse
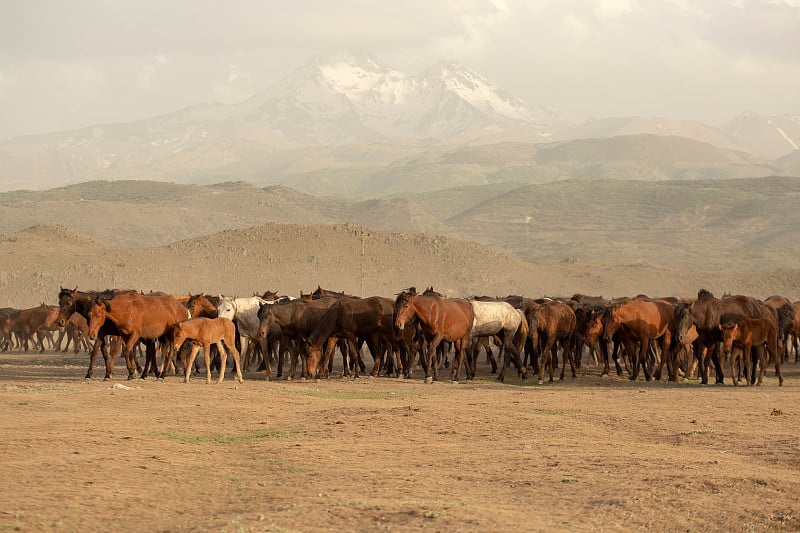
x=441 y=319
x=593 y=337
x=203 y=332
x=796 y=331
x=706 y=313
x=747 y=333
x=786 y=316
x=296 y=320
x=74 y=301
x=319 y=292
x=552 y=322
x=29 y=322
x=351 y=318
x=138 y=316
x=643 y=321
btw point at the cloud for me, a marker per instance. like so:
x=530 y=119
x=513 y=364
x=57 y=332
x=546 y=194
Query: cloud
x=703 y=58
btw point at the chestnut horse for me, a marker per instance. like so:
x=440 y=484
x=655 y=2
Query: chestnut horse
x=643 y=321
x=29 y=322
x=441 y=319
x=203 y=332
x=72 y=301
x=138 y=316
x=747 y=333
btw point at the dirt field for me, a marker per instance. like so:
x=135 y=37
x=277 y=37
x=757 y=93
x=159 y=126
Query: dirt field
x=385 y=454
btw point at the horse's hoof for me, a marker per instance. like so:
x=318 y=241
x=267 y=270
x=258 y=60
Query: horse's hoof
x=429 y=380
x=541 y=382
x=316 y=380
x=455 y=382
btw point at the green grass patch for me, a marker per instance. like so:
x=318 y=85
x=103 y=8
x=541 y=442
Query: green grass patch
x=229 y=439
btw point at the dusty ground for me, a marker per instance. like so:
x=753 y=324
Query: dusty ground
x=383 y=454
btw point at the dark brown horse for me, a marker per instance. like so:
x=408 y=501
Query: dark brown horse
x=370 y=319
x=441 y=319
x=747 y=333
x=296 y=320
x=786 y=316
x=706 y=313
x=552 y=325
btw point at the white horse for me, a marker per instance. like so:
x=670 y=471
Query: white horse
x=502 y=320
x=244 y=312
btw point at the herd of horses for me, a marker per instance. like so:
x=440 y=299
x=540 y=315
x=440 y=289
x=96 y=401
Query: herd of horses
x=672 y=337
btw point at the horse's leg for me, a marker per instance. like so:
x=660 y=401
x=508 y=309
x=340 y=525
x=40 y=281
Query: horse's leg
x=223 y=360
x=93 y=357
x=190 y=361
x=432 y=367
x=774 y=351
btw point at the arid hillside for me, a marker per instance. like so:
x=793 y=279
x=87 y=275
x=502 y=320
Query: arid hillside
x=743 y=224
x=36 y=262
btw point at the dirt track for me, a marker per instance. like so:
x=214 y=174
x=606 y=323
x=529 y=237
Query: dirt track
x=382 y=454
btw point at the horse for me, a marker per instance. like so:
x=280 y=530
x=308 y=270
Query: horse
x=441 y=319
x=202 y=332
x=786 y=317
x=243 y=312
x=72 y=301
x=77 y=332
x=746 y=333
x=319 y=292
x=644 y=321
x=296 y=320
x=796 y=330
x=706 y=313
x=352 y=318
x=492 y=318
x=148 y=317
x=27 y=322
x=555 y=322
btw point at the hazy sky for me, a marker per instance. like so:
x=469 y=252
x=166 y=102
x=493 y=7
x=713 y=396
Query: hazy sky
x=71 y=63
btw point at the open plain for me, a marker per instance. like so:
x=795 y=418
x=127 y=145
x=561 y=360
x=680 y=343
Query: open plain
x=591 y=453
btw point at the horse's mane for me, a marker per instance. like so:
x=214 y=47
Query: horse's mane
x=703 y=294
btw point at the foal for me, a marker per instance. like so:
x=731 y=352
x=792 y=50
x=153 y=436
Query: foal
x=204 y=332
x=750 y=333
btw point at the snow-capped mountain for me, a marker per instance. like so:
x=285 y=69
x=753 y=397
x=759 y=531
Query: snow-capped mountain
x=367 y=101
x=771 y=136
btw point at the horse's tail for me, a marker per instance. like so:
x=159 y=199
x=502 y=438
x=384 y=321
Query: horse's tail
x=786 y=315
x=522 y=331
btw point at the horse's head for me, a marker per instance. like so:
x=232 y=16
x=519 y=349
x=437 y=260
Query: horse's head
x=404 y=307
x=266 y=316
x=66 y=304
x=594 y=328
x=178 y=336
x=730 y=333
x=682 y=317
x=611 y=322
x=227 y=308
x=313 y=359
x=98 y=311
x=6 y=321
